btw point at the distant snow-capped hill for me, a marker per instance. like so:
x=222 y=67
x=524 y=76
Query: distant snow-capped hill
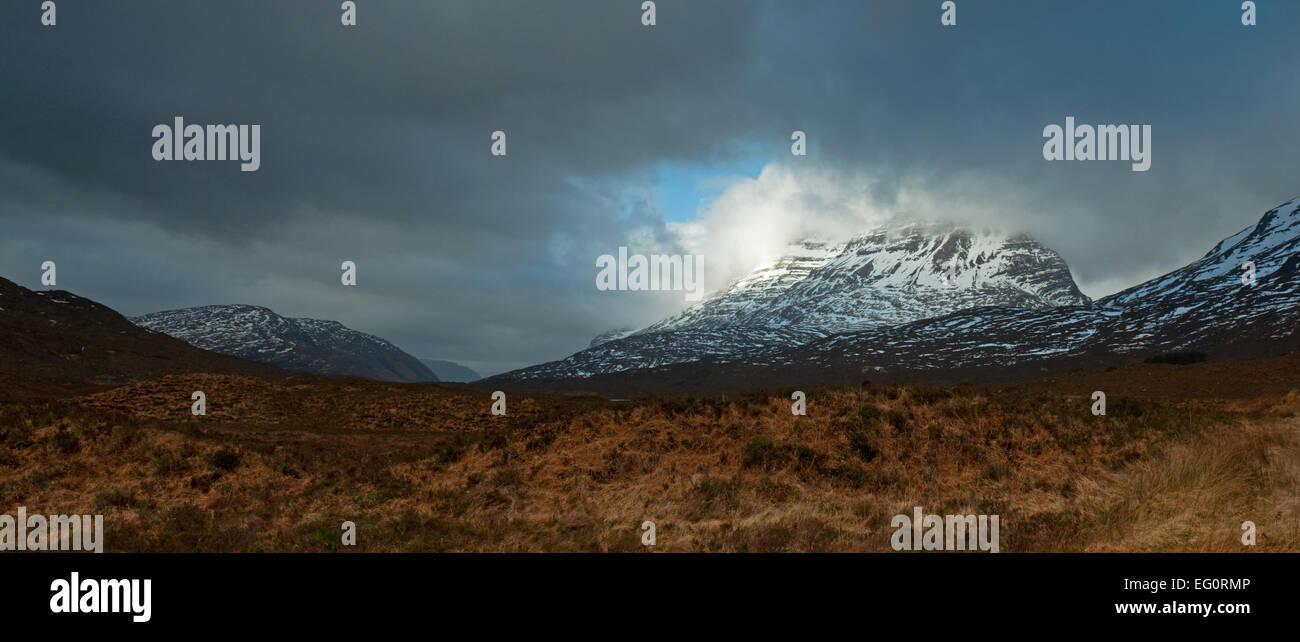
x=54 y=337
x=304 y=345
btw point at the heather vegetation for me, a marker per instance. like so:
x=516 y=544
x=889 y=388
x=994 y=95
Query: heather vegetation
x=278 y=465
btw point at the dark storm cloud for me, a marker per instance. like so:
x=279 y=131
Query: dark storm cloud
x=375 y=141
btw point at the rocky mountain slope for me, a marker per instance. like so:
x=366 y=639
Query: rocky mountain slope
x=301 y=345
x=887 y=277
x=1203 y=306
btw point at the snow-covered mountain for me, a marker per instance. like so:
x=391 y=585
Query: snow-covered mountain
x=886 y=277
x=302 y=345
x=610 y=335
x=1206 y=306
x=794 y=320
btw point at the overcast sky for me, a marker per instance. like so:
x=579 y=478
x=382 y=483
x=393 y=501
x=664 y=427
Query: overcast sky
x=375 y=147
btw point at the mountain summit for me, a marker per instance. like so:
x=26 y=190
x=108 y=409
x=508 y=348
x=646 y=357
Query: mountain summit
x=302 y=345
x=886 y=277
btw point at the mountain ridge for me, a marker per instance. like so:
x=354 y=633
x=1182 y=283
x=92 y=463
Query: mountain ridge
x=886 y=276
x=1203 y=305
x=307 y=345
x=916 y=271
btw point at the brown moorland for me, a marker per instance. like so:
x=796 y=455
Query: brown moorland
x=1184 y=455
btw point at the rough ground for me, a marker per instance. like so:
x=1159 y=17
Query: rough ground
x=1183 y=456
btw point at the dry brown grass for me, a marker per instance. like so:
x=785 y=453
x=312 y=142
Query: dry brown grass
x=1196 y=494
x=278 y=465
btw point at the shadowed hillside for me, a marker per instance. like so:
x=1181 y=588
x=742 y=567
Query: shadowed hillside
x=63 y=338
